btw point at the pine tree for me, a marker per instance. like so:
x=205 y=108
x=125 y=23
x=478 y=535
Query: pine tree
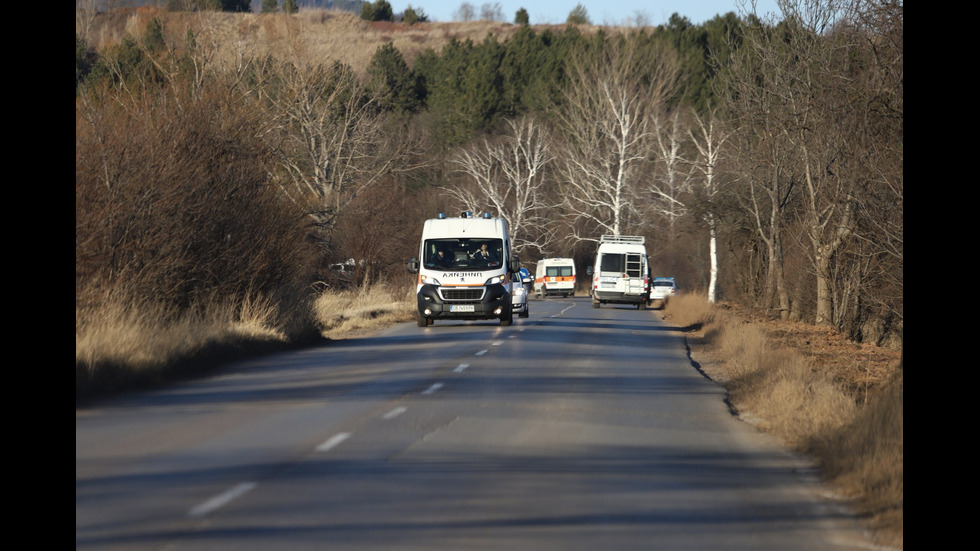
x=522 y=18
x=383 y=11
x=270 y=6
x=378 y=11
x=412 y=15
x=236 y=5
x=578 y=16
x=392 y=79
x=367 y=11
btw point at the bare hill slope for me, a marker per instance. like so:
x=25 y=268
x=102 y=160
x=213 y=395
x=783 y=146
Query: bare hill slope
x=322 y=35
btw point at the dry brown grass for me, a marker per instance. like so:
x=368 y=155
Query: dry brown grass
x=840 y=403
x=126 y=345
x=345 y=313
x=322 y=35
x=145 y=336
x=122 y=345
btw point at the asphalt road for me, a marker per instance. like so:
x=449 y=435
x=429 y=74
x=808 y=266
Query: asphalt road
x=574 y=429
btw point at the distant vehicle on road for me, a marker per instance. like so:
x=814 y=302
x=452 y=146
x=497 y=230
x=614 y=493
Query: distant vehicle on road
x=554 y=276
x=527 y=279
x=518 y=291
x=661 y=290
x=621 y=272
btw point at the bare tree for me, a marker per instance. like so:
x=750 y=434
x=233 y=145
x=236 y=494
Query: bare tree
x=508 y=176
x=765 y=186
x=813 y=73
x=670 y=182
x=336 y=141
x=709 y=139
x=808 y=103
x=614 y=95
x=85 y=13
x=465 y=12
x=491 y=11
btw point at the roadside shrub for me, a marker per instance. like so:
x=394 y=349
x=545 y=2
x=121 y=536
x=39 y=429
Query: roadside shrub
x=172 y=203
x=179 y=237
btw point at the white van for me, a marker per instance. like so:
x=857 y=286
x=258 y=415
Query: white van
x=554 y=276
x=621 y=274
x=465 y=269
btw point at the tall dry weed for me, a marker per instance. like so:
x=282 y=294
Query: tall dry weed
x=122 y=344
x=789 y=399
x=776 y=388
x=745 y=346
x=689 y=310
x=866 y=460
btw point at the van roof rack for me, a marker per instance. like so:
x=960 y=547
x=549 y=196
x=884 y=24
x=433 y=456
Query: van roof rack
x=623 y=239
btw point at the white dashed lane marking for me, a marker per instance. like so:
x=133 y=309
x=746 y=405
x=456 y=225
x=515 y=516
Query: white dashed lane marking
x=395 y=412
x=333 y=441
x=222 y=499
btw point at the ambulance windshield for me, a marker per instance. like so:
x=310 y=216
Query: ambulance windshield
x=463 y=253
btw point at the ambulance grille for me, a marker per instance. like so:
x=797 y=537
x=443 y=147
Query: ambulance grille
x=463 y=294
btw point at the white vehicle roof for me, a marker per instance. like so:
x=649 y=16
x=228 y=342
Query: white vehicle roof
x=484 y=227
x=622 y=243
x=558 y=261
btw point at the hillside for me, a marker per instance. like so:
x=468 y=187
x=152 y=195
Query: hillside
x=311 y=34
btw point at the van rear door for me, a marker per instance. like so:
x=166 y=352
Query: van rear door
x=634 y=271
x=612 y=266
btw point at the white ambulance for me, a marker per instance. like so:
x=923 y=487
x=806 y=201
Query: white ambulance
x=621 y=274
x=465 y=268
x=554 y=276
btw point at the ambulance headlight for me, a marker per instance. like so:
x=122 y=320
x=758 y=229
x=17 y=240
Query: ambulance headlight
x=429 y=280
x=496 y=279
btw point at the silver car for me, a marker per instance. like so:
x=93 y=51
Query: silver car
x=519 y=296
x=662 y=289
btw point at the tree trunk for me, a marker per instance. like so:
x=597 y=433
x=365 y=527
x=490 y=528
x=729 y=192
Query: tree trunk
x=713 y=248
x=825 y=303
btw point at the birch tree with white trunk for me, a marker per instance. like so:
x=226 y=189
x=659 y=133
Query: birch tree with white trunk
x=709 y=137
